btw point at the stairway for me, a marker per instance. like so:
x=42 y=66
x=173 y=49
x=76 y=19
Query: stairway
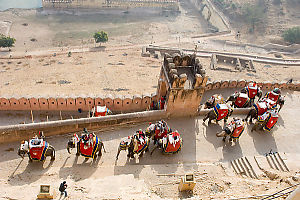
x=254 y=167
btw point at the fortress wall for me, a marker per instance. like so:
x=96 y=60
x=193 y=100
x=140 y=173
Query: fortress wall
x=118 y=104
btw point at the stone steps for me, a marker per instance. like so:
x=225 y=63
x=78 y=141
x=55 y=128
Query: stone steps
x=242 y=166
x=254 y=167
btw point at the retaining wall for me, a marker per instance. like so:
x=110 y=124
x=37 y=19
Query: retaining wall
x=211 y=14
x=25 y=131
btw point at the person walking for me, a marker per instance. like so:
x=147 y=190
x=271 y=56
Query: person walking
x=62 y=188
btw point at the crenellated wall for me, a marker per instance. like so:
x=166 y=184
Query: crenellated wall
x=242 y=83
x=119 y=104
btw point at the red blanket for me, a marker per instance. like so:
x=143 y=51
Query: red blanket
x=38 y=153
x=174 y=147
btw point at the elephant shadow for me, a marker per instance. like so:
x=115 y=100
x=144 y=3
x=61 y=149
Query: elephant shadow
x=79 y=171
x=33 y=171
x=231 y=151
x=210 y=134
x=263 y=141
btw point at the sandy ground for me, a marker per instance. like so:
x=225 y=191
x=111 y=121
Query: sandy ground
x=116 y=72
x=202 y=153
x=92 y=74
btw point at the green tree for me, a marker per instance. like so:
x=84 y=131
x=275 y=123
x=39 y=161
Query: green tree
x=6 y=41
x=292 y=35
x=100 y=37
x=253 y=14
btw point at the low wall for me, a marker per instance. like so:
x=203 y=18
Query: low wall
x=115 y=103
x=25 y=131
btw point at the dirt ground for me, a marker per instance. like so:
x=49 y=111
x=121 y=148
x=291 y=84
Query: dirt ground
x=151 y=177
x=119 y=69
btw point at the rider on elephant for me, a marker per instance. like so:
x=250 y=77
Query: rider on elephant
x=234 y=130
x=267 y=121
x=170 y=144
x=252 y=90
x=274 y=95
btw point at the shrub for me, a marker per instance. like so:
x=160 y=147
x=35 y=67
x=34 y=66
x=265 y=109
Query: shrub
x=292 y=35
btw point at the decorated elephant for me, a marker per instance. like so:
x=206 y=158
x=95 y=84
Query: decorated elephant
x=258 y=109
x=213 y=100
x=239 y=100
x=267 y=121
x=36 y=149
x=135 y=144
x=275 y=95
x=219 y=112
x=252 y=90
x=157 y=130
x=88 y=145
x=234 y=130
x=169 y=144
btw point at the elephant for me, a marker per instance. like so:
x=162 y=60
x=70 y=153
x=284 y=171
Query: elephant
x=158 y=130
x=24 y=149
x=75 y=143
x=234 y=130
x=266 y=121
x=252 y=114
x=211 y=115
x=239 y=100
x=170 y=144
x=133 y=146
x=258 y=125
x=257 y=92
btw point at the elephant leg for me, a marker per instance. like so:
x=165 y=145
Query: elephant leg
x=209 y=120
x=52 y=153
x=248 y=115
x=141 y=154
x=205 y=118
x=224 y=138
x=100 y=151
x=77 y=151
x=118 y=153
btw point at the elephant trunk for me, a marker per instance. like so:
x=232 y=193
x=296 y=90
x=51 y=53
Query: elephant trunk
x=21 y=153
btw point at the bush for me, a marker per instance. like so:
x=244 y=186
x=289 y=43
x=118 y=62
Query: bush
x=292 y=35
x=6 y=41
x=100 y=36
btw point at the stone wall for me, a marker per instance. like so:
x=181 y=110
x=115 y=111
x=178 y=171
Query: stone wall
x=115 y=103
x=211 y=14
